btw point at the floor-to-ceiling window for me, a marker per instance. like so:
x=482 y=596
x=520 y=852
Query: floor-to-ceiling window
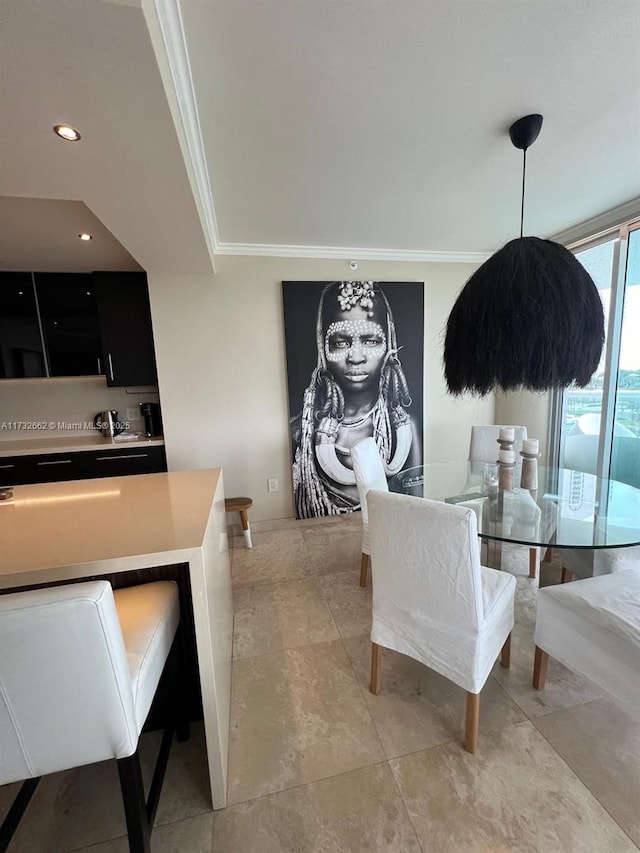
x=600 y=424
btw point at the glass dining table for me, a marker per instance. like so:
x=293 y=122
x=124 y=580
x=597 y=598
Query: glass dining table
x=569 y=509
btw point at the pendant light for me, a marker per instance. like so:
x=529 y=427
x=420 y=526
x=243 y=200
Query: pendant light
x=529 y=318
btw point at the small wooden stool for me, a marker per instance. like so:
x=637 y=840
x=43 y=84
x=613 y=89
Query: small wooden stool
x=241 y=505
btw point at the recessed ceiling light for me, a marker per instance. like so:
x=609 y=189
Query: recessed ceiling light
x=65 y=131
x=85 y=236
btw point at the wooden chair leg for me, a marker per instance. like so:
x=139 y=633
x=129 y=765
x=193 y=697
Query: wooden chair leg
x=540 y=663
x=505 y=654
x=565 y=575
x=471 y=722
x=364 y=563
x=533 y=562
x=246 y=530
x=376 y=661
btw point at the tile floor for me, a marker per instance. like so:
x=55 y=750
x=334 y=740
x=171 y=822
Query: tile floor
x=319 y=765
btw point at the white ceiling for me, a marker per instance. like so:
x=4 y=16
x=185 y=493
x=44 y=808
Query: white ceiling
x=91 y=64
x=321 y=128
x=42 y=235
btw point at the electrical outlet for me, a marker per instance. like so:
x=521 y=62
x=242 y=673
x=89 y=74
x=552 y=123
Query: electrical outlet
x=133 y=414
x=273 y=484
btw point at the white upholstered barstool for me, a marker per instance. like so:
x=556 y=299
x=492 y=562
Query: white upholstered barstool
x=369 y=472
x=79 y=669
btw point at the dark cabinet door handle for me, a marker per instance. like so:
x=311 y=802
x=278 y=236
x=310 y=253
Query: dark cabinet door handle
x=110 y=366
x=56 y=462
x=121 y=456
x=11 y=465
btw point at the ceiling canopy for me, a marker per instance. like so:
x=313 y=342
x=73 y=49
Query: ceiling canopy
x=293 y=127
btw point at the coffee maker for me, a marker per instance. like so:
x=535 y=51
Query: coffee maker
x=152 y=419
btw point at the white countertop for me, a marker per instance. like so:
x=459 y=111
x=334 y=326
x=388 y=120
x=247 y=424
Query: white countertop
x=33 y=446
x=66 y=531
x=139 y=520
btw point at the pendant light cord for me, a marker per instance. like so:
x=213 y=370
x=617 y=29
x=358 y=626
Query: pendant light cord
x=524 y=171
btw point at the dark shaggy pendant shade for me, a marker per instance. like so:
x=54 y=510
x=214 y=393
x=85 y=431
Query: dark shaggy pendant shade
x=529 y=317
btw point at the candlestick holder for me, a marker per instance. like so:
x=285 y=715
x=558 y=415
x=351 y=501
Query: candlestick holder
x=506 y=461
x=505 y=445
x=529 y=475
x=505 y=481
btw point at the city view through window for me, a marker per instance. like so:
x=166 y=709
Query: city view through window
x=582 y=407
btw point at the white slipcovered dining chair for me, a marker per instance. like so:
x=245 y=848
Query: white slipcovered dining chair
x=369 y=472
x=592 y=627
x=483 y=444
x=432 y=600
x=582 y=563
x=79 y=668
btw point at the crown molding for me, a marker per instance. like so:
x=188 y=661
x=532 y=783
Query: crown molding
x=167 y=17
x=350 y=253
x=601 y=223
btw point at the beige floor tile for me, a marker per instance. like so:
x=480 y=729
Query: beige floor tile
x=272 y=617
x=279 y=555
x=296 y=716
x=563 y=689
x=514 y=794
x=356 y=812
x=192 y=835
x=347 y=520
x=417 y=708
x=349 y=603
x=601 y=744
x=273 y=524
x=83 y=806
x=339 y=550
x=258 y=529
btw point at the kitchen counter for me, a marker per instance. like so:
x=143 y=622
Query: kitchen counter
x=33 y=446
x=75 y=529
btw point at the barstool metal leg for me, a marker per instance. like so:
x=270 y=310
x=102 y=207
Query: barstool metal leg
x=135 y=808
x=15 y=813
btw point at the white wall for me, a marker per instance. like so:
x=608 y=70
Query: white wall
x=527 y=409
x=64 y=400
x=222 y=373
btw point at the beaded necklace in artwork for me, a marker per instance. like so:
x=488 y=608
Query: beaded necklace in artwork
x=356 y=422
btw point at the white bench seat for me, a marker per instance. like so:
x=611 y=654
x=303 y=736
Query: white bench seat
x=592 y=626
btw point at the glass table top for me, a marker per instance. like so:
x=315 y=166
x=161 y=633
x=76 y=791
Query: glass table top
x=569 y=509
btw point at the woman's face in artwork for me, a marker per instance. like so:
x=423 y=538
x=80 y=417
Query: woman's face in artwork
x=355 y=345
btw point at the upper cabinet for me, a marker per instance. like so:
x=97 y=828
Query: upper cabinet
x=77 y=324
x=69 y=323
x=21 y=351
x=125 y=328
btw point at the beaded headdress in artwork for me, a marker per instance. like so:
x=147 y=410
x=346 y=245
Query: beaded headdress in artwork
x=323 y=404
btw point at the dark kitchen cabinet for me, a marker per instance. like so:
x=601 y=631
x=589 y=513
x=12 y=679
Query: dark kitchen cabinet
x=126 y=460
x=21 y=350
x=70 y=323
x=15 y=470
x=125 y=328
x=38 y=468
x=83 y=465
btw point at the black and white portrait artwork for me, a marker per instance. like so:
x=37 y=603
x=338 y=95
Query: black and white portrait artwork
x=354 y=369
